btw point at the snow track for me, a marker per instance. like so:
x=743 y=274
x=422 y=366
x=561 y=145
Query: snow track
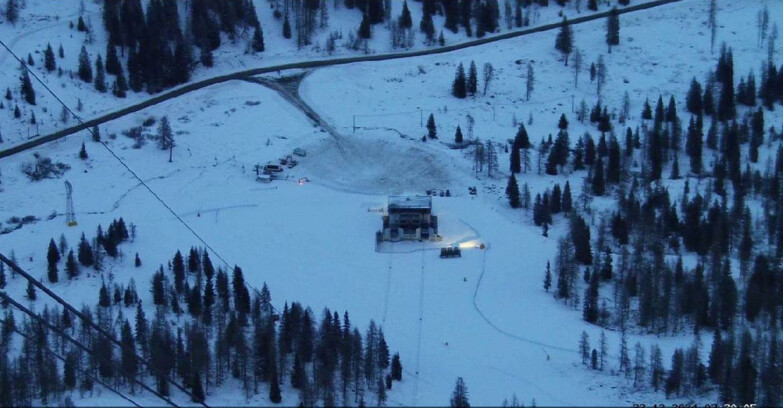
x=504 y=332
x=421 y=330
x=388 y=289
x=65 y=21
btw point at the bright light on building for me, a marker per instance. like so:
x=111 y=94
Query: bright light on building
x=469 y=244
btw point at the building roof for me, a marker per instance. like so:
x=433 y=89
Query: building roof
x=410 y=203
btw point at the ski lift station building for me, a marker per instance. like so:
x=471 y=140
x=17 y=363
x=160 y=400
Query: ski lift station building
x=409 y=218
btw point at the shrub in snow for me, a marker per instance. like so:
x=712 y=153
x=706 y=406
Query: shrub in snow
x=44 y=168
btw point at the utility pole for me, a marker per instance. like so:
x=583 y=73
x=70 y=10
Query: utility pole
x=421 y=117
x=354 y=123
x=70 y=214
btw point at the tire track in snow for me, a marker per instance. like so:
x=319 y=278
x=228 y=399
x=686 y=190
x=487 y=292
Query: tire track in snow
x=421 y=327
x=21 y=36
x=388 y=287
x=504 y=332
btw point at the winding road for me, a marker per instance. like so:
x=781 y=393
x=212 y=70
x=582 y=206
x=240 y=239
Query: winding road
x=243 y=75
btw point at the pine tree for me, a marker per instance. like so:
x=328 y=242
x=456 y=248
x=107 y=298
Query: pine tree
x=166 y=136
x=28 y=92
x=472 y=84
x=512 y=192
x=647 y=110
x=52 y=257
x=693 y=144
x=405 y=17
x=566 y=205
x=603 y=346
x=258 y=40
x=580 y=236
x=49 y=61
x=598 y=182
x=584 y=347
x=564 y=41
x=432 y=130
x=562 y=123
x=113 y=65
x=85 y=69
x=547 y=278
x=396 y=367
x=675 y=174
x=103 y=296
x=178 y=266
x=274 y=388
x=515 y=165
x=12 y=11
x=198 y=389
x=458 y=136
x=30 y=290
x=286 y=27
x=674 y=378
x=459 y=86
x=427 y=27
x=613 y=29
x=298 y=375
x=71 y=267
x=120 y=85
x=656 y=367
x=459 y=398
x=80 y=26
x=100 y=76
x=85 y=253
x=708 y=101
x=746 y=372
x=693 y=101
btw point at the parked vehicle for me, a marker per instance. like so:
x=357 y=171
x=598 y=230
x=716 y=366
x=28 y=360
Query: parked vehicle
x=272 y=168
x=450 y=252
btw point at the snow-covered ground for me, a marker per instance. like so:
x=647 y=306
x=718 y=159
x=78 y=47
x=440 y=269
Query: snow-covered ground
x=485 y=316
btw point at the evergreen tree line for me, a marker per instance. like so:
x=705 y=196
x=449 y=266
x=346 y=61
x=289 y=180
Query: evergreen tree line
x=727 y=216
x=159 y=47
x=300 y=18
x=231 y=335
x=741 y=367
x=88 y=253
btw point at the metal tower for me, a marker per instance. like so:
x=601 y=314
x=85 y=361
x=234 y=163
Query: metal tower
x=70 y=215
